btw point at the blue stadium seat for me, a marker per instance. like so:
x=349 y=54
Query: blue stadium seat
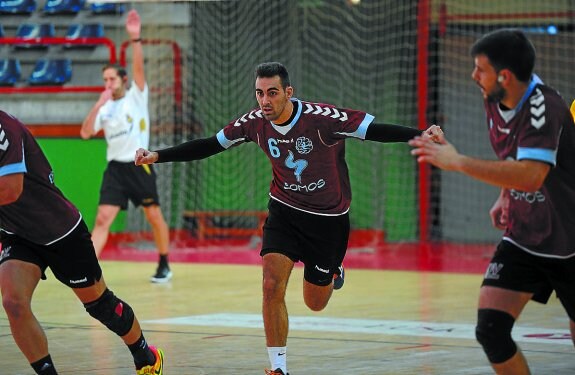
x=107 y=8
x=51 y=72
x=1 y=31
x=10 y=72
x=17 y=6
x=63 y=6
x=30 y=31
x=77 y=31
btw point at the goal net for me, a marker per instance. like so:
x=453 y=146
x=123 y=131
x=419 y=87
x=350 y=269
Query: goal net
x=404 y=62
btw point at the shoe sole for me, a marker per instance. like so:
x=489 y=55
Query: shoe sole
x=162 y=280
x=160 y=371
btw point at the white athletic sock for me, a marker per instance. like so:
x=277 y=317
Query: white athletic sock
x=278 y=356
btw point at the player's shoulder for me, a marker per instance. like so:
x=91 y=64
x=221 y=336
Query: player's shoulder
x=249 y=117
x=551 y=97
x=314 y=107
x=547 y=104
x=324 y=110
x=9 y=122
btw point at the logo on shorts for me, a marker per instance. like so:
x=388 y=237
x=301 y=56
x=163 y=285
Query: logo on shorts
x=321 y=269
x=5 y=253
x=493 y=271
x=79 y=281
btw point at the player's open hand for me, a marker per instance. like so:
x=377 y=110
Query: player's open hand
x=145 y=157
x=133 y=24
x=443 y=155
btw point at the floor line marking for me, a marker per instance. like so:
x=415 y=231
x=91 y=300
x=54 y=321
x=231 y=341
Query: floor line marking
x=522 y=334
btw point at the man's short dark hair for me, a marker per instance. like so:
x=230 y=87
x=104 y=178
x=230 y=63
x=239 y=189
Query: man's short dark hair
x=507 y=49
x=272 y=69
x=118 y=68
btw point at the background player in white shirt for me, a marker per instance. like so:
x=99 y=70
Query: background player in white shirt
x=122 y=113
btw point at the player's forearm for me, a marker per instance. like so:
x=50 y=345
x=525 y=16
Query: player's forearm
x=388 y=133
x=192 y=150
x=138 y=63
x=524 y=175
x=87 y=129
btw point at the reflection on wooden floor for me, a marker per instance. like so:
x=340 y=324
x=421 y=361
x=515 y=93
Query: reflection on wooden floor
x=208 y=322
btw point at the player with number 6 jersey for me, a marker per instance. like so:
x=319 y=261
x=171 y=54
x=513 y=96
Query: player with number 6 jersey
x=310 y=190
x=307 y=153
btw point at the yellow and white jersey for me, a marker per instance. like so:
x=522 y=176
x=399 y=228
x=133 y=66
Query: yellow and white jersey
x=126 y=124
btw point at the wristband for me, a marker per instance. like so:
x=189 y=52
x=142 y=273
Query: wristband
x=136 y=40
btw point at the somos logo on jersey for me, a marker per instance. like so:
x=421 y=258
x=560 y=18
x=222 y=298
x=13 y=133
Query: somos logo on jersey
x=305 y=188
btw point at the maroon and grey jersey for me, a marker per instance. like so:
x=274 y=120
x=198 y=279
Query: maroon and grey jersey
x=540 y=128
x=41 y=214
x=307 y=155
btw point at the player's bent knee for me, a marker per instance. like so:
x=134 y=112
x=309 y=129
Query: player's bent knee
x=493 y=332
x=111 y=311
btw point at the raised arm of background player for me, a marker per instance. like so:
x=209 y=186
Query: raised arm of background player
x=202 y=148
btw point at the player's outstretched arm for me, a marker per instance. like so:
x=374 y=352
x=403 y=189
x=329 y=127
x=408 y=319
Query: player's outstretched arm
x=192 y=150
x=388 y=133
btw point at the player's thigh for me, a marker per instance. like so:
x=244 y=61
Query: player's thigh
x=325 y=242
x=18 y=280
x=106 y=214
x=562 y=276
x=510 y=301
x=73 y=259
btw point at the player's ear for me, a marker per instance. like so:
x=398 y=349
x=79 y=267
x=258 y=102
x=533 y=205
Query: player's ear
x=503 y=75
x=289 y=92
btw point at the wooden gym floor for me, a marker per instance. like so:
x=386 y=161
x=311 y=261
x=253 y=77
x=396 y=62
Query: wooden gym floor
x=400 y=312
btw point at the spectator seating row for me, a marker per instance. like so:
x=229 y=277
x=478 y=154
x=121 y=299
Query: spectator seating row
x=46 y=72
x=47 y=30
x=59 y=7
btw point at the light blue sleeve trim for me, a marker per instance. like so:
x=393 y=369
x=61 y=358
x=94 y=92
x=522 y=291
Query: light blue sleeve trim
x=226 y=143
x=13 y=168
x=361 y=129
x=539 y=154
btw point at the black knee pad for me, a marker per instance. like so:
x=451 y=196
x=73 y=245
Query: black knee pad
x=493 y=331
x=114 y=313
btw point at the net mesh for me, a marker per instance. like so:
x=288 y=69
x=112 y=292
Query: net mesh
x=362 y=56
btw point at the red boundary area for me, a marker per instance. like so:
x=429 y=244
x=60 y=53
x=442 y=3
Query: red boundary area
x=404 y=256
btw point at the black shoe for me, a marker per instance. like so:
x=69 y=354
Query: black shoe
x=163 y=275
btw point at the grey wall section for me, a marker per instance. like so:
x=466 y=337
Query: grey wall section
x=465 y=202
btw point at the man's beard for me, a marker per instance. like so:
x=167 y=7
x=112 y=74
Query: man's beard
x=497 y=95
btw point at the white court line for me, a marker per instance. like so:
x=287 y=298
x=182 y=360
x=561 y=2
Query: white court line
x=371 y=326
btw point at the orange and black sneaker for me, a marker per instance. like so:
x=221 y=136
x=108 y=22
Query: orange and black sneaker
x=277 y=371
x=338 y=279
x=155 y=369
